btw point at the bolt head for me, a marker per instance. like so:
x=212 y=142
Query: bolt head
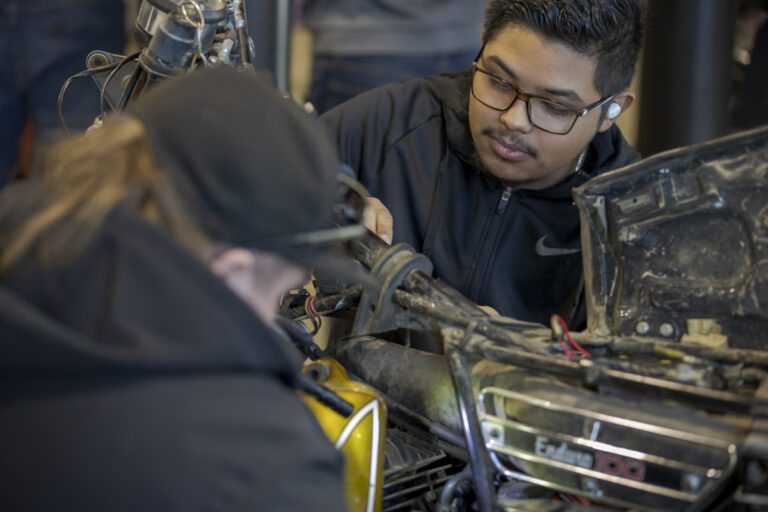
x=642 y=327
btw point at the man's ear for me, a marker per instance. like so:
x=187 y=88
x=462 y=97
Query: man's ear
x=623 y=100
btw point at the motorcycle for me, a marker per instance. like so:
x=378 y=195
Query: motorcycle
x=660 y=404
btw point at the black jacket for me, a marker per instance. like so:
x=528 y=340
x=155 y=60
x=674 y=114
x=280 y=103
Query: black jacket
x=134 y=379
x=411 y=147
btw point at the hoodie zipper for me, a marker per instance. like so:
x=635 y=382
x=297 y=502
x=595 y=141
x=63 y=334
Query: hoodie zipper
x=483 y=250
x=501 y=206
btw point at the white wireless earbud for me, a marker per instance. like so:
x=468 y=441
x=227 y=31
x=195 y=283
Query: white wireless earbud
x=614 y=109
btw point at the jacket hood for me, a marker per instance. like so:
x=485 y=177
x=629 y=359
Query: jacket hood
x=133 y=301
x=608 y=150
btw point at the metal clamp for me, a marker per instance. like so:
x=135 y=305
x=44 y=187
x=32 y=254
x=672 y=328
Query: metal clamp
x=376 y=311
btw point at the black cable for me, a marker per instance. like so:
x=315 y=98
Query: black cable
x=446 y=496
x=111 y=76
x=299 y=337
x=311 y=316
x=302 y=339
x=325 y=395
x=129 y=87
x=68 y=82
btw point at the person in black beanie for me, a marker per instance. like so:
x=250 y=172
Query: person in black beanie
x=139 y=277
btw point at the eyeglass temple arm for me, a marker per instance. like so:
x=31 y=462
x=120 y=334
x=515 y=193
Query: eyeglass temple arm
x=597 y=105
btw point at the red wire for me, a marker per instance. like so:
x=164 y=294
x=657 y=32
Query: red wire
x=314 y=311
x=310 y=316
x=566 y=349
x=567 y=334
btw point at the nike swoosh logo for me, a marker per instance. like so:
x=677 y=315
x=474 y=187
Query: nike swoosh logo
x=543 y=250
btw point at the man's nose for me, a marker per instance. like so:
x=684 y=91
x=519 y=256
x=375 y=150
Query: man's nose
x=516 y=116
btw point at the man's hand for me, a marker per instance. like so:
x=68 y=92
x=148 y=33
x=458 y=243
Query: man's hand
x=377 y=218
x=489 y=310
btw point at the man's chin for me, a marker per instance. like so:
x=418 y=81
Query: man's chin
x=503 y=175
x=512 y=180
x=507 y=174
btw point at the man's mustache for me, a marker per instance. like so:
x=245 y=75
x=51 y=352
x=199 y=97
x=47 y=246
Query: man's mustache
x=511 y=138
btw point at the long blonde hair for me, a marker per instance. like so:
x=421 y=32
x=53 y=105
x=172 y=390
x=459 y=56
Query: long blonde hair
x=52 y=217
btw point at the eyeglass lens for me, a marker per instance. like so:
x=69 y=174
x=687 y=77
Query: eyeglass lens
x=499 y=95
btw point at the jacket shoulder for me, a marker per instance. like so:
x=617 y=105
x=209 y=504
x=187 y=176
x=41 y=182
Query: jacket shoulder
x=394 y=108
x=367 y=127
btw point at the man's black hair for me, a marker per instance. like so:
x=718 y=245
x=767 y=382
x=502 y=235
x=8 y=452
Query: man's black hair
x=610 y=31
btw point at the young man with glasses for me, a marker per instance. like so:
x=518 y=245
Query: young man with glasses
x=477 y=167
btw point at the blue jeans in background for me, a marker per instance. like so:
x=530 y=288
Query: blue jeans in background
x=42 y=43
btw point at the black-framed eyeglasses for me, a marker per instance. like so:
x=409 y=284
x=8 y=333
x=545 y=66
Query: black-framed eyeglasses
x=543 y=113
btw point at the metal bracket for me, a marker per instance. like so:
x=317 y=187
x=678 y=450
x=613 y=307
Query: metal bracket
x=376 y=311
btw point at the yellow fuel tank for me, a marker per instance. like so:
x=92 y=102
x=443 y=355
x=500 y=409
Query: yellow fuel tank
x=360 y=437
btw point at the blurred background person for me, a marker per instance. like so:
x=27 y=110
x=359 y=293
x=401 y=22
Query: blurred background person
x=42 y=43
x=360 y=44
